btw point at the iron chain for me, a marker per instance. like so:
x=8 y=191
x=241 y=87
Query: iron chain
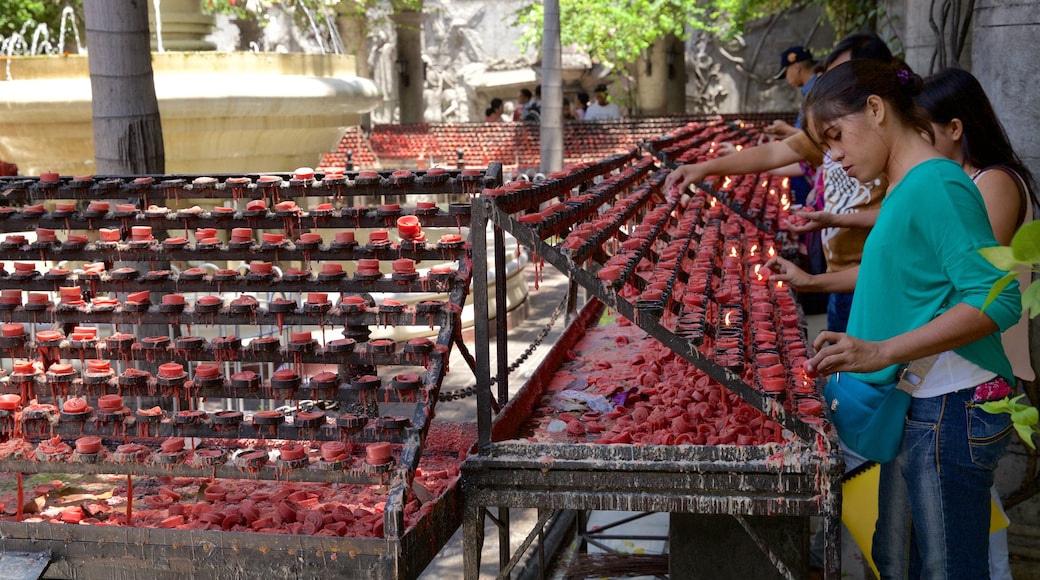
x=470 y=391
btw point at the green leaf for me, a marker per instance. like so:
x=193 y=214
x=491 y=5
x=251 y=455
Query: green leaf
x=998 y=287
x=1027 y=416
x=1026 y=243
x=1026 y=434
x=1031 y=300
x=1002 y=257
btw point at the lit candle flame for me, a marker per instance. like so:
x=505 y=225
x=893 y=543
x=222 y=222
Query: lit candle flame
x=758 y=274
x=733 y=251
x=739 y=147
x=771 y=252
x=742 y=124
x=726 y=182
x=772 y=191
x=754 y=248
x=779 y=284
x=726 y=318
x=765 y=182
x=785 y=202
x=711 y=202
x=784 y=183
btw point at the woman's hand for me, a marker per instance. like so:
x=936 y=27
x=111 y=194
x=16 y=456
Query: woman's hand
x=803 y=222
x=780 y=129
x=785 y=270
x=839 y=352
x=682 y=177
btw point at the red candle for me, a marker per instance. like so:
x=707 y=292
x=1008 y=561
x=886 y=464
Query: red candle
x=377 y=236
x=451 y=239
x=300 y=337
x=310 y=238
x=408 y=226
x=9 y=402
x=377 y=453
x=24 y=367
x=110 y=402
x=209 y=300
x=292 y=452
x=88 y=445
x=404 y=266
x=286 y=206
x=141 y=233
x=172 y=299
x=109 y=235
x=260 y=268
x=142 y=297
x=331 y=269
x=303 y=173
x=98 y=206
x=333 y=450
x=256 y=205
x=75 y=405
x=45 y=235
x=203 y=233
x=207 y=371
x=171 y=370
x=172 y=445
x=14 y=328
x=317 y=298
x=99 y=365
x=48 y=335
x=345 y=237
x=241 y=235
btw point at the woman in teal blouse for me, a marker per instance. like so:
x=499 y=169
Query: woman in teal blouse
x=918 y=292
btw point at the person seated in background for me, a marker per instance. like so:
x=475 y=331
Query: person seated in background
x=602 y=110
x=521 y=104
x=493 y=114
x=568 y=114
x=583 y=105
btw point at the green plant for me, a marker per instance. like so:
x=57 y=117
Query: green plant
x=1022 y=255
x=15 y=13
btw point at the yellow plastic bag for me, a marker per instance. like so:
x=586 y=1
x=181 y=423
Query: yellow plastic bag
x=859 y=508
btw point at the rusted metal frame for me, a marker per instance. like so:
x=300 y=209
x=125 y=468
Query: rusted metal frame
x=538 y=531
x=763 y=546
x=481 y=331
x=650 y=324
x=239 y=284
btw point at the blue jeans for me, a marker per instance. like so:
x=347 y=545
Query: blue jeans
x=838 y=307
x=934 y=499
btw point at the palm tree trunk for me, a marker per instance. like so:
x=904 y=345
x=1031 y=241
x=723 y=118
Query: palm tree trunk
x=552 y=90
x=127 y=129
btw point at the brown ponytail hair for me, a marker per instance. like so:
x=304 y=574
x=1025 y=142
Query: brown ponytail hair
x=844 y=90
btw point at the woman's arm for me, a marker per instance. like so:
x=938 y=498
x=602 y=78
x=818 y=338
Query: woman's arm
x=958 y=326
x=818 y=220
x=784 y=270
x=751 y=160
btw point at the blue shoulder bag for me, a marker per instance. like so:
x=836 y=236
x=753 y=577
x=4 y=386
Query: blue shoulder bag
x=869 y=418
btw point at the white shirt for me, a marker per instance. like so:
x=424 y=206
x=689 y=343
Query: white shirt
x=597 y=112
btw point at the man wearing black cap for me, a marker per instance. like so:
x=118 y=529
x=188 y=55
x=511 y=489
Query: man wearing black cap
x=601 y=110
x=796 y=65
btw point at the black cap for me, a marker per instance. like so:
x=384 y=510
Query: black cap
x=791 y=56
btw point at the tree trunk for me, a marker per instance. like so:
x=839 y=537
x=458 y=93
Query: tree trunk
x=410 y=72
x=127 y=130
x=552 y=90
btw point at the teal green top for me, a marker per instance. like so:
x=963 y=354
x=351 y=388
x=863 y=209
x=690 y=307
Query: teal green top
x=921 y=259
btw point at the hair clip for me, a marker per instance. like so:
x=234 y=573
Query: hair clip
x=904 y=76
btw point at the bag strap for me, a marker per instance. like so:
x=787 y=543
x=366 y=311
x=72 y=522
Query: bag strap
x=912 y=376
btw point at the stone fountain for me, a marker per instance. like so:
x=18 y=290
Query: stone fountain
x=221 y=112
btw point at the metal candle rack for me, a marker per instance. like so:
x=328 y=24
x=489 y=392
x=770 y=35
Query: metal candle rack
x=686 y=270
x=127 y=283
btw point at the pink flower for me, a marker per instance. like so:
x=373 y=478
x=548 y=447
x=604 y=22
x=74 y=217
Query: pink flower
x=991 y=391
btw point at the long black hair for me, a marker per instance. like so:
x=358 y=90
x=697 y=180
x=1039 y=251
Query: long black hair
x=953 y=93
x=859 y=45
x=844 y=90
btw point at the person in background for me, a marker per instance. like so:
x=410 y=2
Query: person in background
x=568 y=114
x=583 y=105
x=493 y=114
x=919 y=290
x=798 y=69
x=844 y=197
x=968 y=131
x=602 y=110
x=521 y=104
